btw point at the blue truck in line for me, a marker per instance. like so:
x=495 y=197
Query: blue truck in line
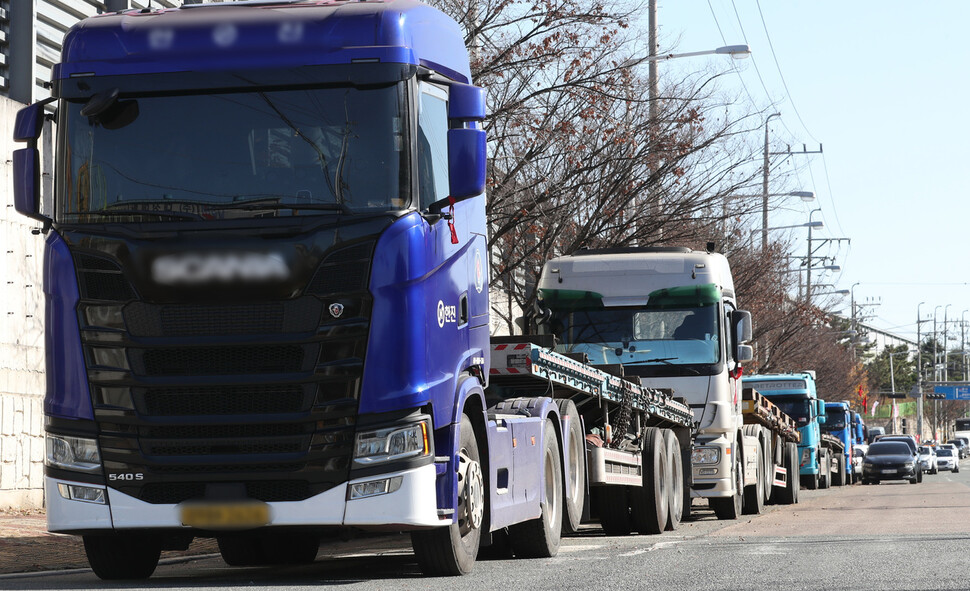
x=795 y=395
x=840 y=423
x=267 y=311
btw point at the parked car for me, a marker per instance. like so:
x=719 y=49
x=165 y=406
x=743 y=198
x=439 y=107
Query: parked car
x=927 y=459
x=858 y=453
x=890 y=460
x=948 y=458
x=962 y=444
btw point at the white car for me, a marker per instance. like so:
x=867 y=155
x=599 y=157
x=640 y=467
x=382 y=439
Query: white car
x=927 y=459
x=858 y=453
x=948 y=458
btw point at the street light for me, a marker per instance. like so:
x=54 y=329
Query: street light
x=808 y=260
x=806 y=196
x=809 y=225
x=653 y=87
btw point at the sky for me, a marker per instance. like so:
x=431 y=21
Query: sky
x=881 y=85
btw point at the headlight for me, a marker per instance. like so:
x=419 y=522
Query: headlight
x=392 y=443
x=705 y=455
x=73 y=453
x=908 y=465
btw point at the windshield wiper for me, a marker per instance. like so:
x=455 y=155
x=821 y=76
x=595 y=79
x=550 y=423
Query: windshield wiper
x=274 y=206
x=129 y=212
x=665 y=361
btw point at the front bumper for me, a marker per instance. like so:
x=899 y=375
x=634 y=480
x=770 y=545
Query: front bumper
x=888 y=472
x=412 y=506
x=720 y=483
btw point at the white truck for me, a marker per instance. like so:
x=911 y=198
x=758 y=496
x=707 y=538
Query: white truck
x=670 y=317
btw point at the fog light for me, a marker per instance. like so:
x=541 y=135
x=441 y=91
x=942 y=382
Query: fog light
x=707 y=471
x=87 y=494
x=375 y=488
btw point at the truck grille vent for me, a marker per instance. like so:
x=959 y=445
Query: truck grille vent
x=224 y=447
x=234 y=431
x=258 y=359
x=345 y=270
x=102 y=279
x=225 y=400
x=289 y=317
x=267 y=491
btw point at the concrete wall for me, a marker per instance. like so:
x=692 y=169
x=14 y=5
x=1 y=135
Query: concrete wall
x=22 y=381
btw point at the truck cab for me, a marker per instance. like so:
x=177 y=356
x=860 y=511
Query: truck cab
x=796 y=396
x=669 y=316
x=838 y=423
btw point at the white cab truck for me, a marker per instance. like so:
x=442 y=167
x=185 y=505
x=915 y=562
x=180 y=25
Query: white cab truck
x=670 y=317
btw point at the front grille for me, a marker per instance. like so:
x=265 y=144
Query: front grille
x=257 y=398
x=224 y=400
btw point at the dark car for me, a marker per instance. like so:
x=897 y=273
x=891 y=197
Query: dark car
x=910 y=441
x=890 y=460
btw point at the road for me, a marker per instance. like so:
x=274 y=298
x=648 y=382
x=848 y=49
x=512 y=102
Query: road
x=888 y=536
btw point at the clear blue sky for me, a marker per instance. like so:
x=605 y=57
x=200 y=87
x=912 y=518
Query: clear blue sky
x=882 y=86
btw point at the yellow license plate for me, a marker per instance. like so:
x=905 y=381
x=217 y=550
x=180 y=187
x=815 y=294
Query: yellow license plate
x=224 y=515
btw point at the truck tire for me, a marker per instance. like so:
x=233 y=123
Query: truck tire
x=574 y=483
x=613 y=509
x=675 y=504
x=452 y=550
x=839 y=476
x=649 y=503
x=788 y=494
x=540 y=538
x=824 y=469
x=730 y=507
x=123 y=556
x=685 y=462
x=269 y=549
x=754 y=498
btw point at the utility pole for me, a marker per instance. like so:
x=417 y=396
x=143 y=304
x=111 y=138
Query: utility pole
x=653 y=96
x=764 y=189
x=919 y=375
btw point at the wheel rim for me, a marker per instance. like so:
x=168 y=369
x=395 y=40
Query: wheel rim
x=575 y=450
x=552 y=491
x=471 y=497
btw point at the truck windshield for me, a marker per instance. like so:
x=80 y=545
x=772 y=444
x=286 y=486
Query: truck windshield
x=233 y=155
x=834 y=422
x=681 y=336
x=798 y=409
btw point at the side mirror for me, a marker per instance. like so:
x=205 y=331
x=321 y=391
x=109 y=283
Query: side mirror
x=466 y=145
x=742 y=326
x=745 y=353
x=820 y=404
x=466 y=163
x=26 y=161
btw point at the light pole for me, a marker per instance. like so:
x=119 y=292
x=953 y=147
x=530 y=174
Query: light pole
x=653 y=86
x=806 y=196
x=936 y=368
x=764 y=189
x=808 y=225
x=808 y=260
x=919 y=374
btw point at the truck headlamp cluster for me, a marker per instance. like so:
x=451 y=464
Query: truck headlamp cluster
x=87 y=494
x=392 y=443
x=705 y=455
x=73 y=453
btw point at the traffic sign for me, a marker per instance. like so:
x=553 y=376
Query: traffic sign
x=950 y=392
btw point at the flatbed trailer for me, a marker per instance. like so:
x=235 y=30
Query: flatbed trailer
x=777 y=448
x=629 y=458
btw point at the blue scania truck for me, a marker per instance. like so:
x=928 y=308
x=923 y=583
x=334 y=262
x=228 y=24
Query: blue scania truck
x=267 y=310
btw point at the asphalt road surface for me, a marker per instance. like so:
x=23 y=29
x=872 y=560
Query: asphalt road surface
x=889 y=536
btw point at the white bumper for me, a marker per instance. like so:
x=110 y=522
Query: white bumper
x=413 y=505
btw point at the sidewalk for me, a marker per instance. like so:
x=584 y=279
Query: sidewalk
x=26 y=546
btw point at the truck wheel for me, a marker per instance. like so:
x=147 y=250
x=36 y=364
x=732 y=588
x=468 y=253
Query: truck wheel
x=613 y=509
x=649 y=503
x=452 y=550
x=730 y=507
x=754 y=499
x=839 y=476
x=675 y=503
x=574 y=486
x=824 y=469
x=540 y=538
x=128 y=556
